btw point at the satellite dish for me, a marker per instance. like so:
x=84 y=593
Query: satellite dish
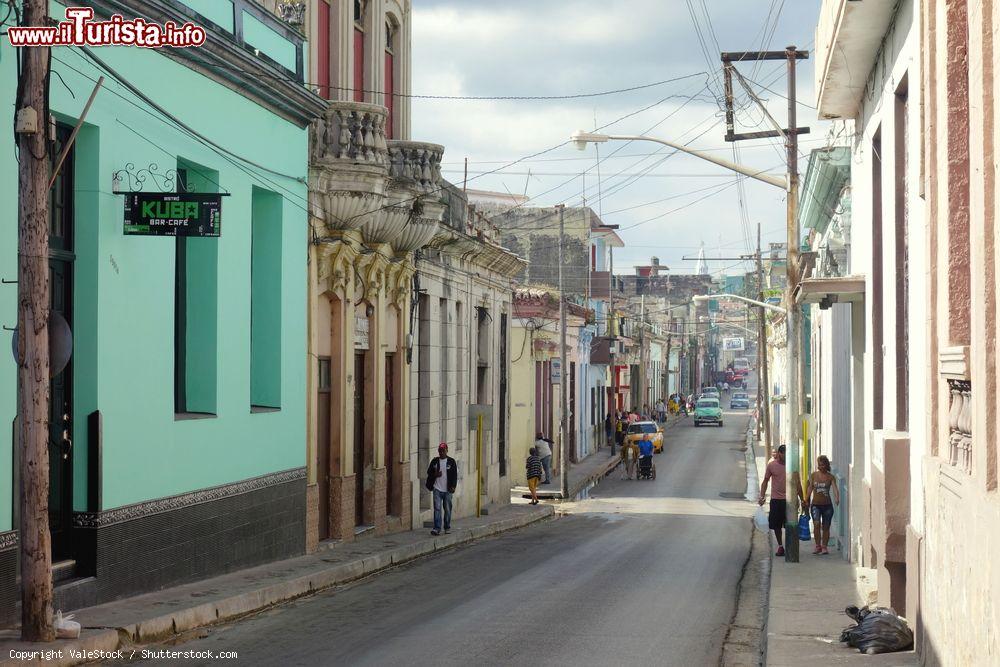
x=60 y=343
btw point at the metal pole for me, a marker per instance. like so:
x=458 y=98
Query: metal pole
x=479 y=465
x=563 y=402
x=794 y=328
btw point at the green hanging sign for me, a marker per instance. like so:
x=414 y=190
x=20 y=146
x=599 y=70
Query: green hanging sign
x=173 y=214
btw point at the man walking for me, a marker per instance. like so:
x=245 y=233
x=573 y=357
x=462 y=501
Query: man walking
x=545 y=454
x=442 y=478
x=775 y=474
x=661 y=411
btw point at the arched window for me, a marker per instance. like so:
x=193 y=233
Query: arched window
x=359 y=51
x=390 y=77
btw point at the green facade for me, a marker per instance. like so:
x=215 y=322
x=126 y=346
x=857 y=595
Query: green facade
x=124 y=292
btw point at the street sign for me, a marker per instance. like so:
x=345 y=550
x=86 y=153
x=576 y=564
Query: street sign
x=361 y=330
x=732 y=344
x=173 y=214
x=773 y=295
x=477 y=409
x=556 y=374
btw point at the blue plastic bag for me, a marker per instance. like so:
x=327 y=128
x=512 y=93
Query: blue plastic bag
x=804 y=534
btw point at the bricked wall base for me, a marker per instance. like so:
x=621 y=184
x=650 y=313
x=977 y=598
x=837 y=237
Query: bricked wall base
x=342 y=508
x=312 y=518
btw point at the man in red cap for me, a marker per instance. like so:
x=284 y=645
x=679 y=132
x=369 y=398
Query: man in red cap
x=442 y=478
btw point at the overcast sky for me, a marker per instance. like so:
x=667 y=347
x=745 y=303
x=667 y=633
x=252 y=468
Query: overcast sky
x=569 y=47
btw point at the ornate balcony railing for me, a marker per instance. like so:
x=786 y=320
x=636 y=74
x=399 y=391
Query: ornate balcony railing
x=416 y=164
x=352 y=131
x=960 y=424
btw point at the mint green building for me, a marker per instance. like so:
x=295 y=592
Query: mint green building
x=178 y=427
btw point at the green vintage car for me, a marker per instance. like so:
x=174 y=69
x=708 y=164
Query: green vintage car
x=707 y=411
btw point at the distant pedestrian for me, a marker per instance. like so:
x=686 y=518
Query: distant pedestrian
x=620 y=429
x=822 y=494
x=542 y=444
x=609 y=431
x=533 y=469
x=775 y=474
x=661 y=411
x=630 y=455
x=442 y=479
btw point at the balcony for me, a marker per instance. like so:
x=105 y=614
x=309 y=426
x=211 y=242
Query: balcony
x=413 y=195
x=349 y=165
x=848 y=37
x=953 y=367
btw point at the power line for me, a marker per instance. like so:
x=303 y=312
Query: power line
x=571 y=96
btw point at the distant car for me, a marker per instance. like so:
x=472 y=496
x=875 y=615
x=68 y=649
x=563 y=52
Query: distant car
x=739 y=400
x=637 y=429
x=710 y=391
x=707 y=411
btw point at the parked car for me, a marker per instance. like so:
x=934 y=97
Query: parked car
x=707 y=411
x=739 y=400
x=637 y=429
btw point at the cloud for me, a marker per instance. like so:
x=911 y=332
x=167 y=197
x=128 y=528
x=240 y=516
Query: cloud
x=543 y=47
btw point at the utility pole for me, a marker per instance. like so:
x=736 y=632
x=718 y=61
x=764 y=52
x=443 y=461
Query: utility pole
x=763 y=386
x=31 y=134
x=795 y=400
x=793 y=318
x=563 y=398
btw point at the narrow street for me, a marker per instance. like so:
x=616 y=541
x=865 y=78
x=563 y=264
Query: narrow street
x=638 y=571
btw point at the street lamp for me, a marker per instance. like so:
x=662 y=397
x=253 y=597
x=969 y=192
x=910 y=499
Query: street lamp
x=580 y=139
x=762 y=304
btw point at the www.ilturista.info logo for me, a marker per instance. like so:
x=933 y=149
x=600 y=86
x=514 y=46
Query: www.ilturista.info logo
x=79 y=29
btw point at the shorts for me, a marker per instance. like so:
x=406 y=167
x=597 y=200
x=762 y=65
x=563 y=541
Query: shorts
x=776 y=517
x=822 y=514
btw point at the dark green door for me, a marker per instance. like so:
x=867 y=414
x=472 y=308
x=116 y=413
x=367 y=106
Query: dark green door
x=61 y=386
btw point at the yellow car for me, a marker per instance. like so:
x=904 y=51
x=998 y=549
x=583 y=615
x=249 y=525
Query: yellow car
x=638 y=429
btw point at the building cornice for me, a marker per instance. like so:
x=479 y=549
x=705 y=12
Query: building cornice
x=224 y=60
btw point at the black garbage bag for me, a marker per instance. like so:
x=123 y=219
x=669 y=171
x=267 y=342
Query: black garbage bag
x=878 y=630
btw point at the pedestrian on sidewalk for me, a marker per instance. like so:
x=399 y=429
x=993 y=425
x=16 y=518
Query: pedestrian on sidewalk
x=661 y=411
x=775 y=474
x=609 y=432
x=543 y=445
x=442 y=479
x=822 y=493
x=533 y=469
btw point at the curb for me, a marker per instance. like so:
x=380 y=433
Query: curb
x=160 y=628
x=745 y=644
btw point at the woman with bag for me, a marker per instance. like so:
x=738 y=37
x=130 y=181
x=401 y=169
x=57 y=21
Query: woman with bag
x=533 y=468
x=822 y=494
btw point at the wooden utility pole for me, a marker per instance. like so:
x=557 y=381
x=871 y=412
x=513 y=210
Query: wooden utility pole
x=31 y=134
x=793 y=318
x=564 y=424
x=763 y=381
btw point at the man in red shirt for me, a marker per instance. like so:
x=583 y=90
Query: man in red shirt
x=775 y=474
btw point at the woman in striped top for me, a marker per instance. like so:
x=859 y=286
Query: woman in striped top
x=533 y=467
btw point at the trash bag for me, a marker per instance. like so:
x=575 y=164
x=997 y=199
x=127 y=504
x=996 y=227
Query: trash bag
x=66 y=627
x=878 y=630
x=804 y=535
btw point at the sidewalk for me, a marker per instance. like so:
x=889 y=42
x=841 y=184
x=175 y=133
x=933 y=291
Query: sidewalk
x=160 y=616
x=581 y=475
x=806 y=602
x=806 y=612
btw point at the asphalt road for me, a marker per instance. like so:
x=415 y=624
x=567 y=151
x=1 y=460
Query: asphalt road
x=639 y=573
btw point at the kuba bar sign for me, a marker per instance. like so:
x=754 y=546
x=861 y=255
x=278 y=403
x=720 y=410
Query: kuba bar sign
x=170 y=214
